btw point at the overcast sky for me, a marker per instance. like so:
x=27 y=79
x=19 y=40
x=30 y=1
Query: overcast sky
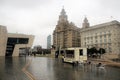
x=39 y=17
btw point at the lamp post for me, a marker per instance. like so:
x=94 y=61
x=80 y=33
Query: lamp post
x=25 y=53
x=56 y=42
x=59 y=49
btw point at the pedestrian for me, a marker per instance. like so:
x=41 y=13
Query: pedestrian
x=56 y=54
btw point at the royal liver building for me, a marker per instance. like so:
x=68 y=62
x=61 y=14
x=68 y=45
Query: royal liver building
x=65 y=34
x=105 y=35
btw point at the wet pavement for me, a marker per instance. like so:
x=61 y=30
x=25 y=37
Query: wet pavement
x=11 y=68
x=43 y=68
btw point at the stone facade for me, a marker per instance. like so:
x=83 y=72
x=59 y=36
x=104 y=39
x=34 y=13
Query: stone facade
x=65 y=34
x=106 y=35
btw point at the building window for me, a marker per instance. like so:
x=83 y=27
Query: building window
x=109 y=35
x=88 y=42
x=105 y=45
x=109 y=44
x=105 y=36
x=96 y=34
x=91 y=38
x=100 y=33
x=100 y=45
x=108 y=32
x=84 y=38
x=110 y=40
x=100 y=36
x=95 y=37
x=101 y=41
x=104 y=32
x=91 y=42
x=109 y=49
x=85 y=43
x=96 y=41
x=104 y=40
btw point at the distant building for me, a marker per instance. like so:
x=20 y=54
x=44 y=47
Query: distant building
x=65 y=34
x=49 y=42
x=37 y=48
x=12 y=44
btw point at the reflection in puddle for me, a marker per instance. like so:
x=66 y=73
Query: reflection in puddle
x=53 y=69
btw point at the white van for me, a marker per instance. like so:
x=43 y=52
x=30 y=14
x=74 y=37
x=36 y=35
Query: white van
x=73 y=55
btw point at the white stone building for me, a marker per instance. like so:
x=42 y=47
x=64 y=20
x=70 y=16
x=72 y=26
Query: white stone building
x=106 y=35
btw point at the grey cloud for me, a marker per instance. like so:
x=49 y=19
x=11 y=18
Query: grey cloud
x=111 y=4
x=24 y=3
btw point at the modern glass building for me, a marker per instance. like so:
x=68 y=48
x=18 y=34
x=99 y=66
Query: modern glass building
x=14 y=44
x=49 y=42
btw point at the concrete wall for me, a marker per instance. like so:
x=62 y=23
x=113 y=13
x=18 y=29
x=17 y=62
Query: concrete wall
x=3 y=40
